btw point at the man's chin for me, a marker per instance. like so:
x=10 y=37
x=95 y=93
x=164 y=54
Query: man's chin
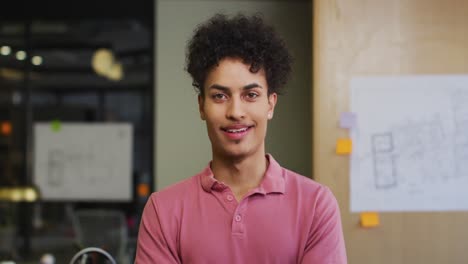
x=231 y=154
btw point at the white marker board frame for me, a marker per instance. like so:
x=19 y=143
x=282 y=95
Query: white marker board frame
x=83 y=161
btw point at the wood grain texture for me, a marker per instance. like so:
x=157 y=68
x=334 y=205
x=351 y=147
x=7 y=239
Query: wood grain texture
x=393 y=37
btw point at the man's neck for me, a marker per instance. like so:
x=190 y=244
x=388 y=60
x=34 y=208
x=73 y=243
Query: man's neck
x=241 y=175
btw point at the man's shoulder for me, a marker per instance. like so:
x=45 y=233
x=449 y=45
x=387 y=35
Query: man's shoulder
x=300 y=184
x=313 y=193
x=299 y=180
x=294 y=182
x=177 y=191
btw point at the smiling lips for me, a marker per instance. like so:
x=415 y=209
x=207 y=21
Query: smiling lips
x=236 y=132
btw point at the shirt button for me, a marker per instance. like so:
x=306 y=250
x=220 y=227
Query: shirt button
x=229 y=198
x=238 y=218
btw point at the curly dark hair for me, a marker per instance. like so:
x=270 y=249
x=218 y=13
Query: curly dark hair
x=247 y=38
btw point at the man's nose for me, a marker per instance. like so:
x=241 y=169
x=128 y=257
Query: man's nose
x=235 y=110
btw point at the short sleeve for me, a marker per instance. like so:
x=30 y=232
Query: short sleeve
x=155 y=243
x=325 y=243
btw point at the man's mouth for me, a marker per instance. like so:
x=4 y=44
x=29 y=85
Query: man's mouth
x=236 y=132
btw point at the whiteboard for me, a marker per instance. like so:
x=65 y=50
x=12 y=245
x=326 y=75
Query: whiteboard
x=410 y=143
x=83 y=161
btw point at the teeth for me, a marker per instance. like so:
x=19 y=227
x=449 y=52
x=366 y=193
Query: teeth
x=237 y=130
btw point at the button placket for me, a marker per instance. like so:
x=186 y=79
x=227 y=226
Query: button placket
x=221 y=195
x=238 y=218
x=237 y=224
x=238 y=221
x=229 y=200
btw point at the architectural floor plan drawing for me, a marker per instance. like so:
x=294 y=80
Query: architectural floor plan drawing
x=410 y=143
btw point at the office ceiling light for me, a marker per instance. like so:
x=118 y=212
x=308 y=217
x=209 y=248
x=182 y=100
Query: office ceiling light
x=30 y=195
x=36 y=60
x=20 y=55
x=19 y=194
x=116 y=72
x=5 y=50
x=102 y=61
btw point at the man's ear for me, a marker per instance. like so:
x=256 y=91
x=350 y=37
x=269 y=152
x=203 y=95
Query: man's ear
x=201 y=103
x=272 y=99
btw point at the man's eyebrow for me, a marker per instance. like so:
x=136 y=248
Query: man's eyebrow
x=219 y=87
x=224 y=88
x=252 y=85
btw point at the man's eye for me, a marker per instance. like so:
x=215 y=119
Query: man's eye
x=218 y=96
x=252 y=95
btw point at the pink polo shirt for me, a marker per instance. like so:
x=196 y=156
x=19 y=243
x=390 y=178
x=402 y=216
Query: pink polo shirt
x=287 y=219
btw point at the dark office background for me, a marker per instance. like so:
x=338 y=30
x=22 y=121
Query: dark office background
x=55 y=81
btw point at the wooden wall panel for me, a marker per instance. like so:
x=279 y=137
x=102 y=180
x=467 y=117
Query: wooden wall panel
x=384 y=37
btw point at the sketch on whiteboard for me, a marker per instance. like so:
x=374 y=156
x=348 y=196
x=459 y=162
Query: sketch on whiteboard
x=410 y=143
x=55 y=168
x=78 y=163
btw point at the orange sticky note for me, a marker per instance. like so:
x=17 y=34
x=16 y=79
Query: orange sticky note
x=6 y=128
x=344 y=146
x=143 y=189
x=370 y=219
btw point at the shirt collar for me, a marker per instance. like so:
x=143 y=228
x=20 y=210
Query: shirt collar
x=273 y=180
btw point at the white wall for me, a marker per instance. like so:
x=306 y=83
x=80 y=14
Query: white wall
x=182 y=145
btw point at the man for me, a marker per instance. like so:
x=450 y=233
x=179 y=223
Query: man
x=243 y=207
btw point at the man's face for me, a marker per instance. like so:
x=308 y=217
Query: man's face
x=236 y=107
